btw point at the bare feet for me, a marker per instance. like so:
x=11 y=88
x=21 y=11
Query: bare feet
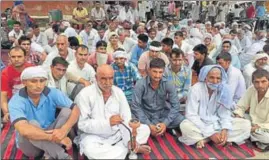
x=66 y=142
x=143 y=149
x=201 y=143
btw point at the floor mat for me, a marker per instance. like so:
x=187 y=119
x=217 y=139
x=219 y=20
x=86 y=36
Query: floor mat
x=165 y=147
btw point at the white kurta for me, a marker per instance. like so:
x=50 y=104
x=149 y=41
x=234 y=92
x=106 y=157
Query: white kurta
x=205 y=117
x=88 y=39
x=74 y=73
x=46 y=64
x=60 y=84
x=236 y=83
x=98 y=139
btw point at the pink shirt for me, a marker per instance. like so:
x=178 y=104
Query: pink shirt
x=92 y=60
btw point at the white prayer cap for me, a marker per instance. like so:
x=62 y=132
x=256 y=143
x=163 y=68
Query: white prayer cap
x=208 y=22
x=208 y=35
x=189 y=20
x=34 y=72
x=66 y=24
x=222 y=23
x=112 y=34
x=217 y=24
x=261 y=55
x=234 y=24
x=119 y=54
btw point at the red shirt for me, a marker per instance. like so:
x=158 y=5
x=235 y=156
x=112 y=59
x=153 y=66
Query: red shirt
x=11 y=80
x=251 y=12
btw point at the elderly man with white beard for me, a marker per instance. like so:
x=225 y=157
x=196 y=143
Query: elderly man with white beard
x=104 y=110
x=208 y=112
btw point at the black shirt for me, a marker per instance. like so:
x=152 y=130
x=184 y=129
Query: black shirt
x=197 y=68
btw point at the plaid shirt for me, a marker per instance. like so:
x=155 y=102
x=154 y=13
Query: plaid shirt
x=126 y=79
x=182 y=79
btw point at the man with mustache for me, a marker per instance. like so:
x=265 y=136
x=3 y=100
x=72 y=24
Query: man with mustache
x=125 y=73
x=62 y=51
x=104 y=108
x=155 y=101
x=10 y=79
x=254 y=105
x=33 y=111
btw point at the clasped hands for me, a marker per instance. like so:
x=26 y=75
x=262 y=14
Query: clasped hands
x=60 y=136
x=158 y=129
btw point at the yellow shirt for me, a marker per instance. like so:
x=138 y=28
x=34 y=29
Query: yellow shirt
x=259 y=112
x=80 y=13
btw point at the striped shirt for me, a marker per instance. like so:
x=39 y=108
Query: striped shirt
x=182 y=79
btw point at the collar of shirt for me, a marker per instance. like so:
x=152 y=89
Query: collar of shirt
x=149 y=82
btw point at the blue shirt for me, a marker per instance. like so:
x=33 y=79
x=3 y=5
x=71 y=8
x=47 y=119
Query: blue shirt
x=125 y=80
x=260 y=11
x=181 y=79
x=136 y=53
x=21 y=107
x=150 y=105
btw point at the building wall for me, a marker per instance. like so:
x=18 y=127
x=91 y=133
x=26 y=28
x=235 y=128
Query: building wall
x=41 y=8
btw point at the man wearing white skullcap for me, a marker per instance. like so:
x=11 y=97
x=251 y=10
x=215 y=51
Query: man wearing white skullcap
x=154 y=52
x=125 y=73
x=33 y=111
x=260 y=61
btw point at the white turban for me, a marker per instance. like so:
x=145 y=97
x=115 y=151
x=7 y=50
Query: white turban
x=119 y=54
x=259 y=56
x=196 y=33
x=234 y=24
x=208 y=22
x=154 y=48
x=34 y=72
x=112 y=34
x=208 y=35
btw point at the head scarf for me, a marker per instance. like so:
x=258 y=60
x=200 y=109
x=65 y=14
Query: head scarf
x=119 y=54
x=259 y=56
x=34 y=72
x=224 y=97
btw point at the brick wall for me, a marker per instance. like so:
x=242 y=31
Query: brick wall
x=38 y=8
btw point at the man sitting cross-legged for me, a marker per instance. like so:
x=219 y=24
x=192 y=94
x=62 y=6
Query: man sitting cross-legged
x=208 y=112
x=256 y=102
x=32 y=112
x=155 y=101
x=104 y=108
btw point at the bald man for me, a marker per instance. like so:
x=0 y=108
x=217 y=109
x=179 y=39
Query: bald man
x=62 y=51
x=104 y=108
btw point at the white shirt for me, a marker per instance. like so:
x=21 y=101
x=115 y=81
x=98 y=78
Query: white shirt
x=98 y=15
x=60 y=84
x=15 y=35
x=88 y=39
x=70 y=32
x=236 y=84
x=128 y=45
x=47 y=63
x=95 y=114
x=123 y=15
x=245 y=43
x=205 y=113
x=74 y=73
